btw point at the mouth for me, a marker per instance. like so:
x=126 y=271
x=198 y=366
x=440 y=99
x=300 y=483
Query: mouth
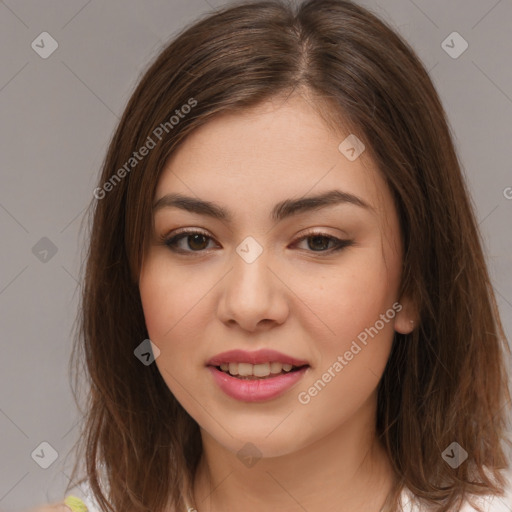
x=248 y=371
x=256 y=376
x=256 y=388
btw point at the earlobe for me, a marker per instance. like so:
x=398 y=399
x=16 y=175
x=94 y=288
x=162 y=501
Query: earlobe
x=406 y=320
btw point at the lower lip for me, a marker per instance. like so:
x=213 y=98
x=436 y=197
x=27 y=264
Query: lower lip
x=257 y=390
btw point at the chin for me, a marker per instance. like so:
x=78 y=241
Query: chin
x=264 y=440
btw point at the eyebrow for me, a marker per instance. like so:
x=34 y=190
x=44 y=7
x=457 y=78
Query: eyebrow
x=282 y=210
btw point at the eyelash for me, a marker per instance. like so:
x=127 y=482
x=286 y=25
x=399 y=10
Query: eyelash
x=171 y=241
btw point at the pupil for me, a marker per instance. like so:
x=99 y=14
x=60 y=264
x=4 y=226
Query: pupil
x=316 y=239
x=195 y=239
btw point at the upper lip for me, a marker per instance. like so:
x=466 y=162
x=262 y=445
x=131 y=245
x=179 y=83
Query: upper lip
x=256 y=357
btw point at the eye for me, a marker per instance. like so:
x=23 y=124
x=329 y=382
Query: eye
x=319 y=242
x=197 y=241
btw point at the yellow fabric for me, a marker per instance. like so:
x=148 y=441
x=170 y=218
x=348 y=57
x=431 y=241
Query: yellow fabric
x=75 y=504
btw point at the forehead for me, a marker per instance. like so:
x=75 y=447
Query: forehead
x=274 y=151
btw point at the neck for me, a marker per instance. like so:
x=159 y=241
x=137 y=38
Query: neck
x=344 y=471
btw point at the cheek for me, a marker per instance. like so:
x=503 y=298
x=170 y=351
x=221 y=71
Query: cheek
x=358 y=307
x=178 y=314
x=169 y=296
x=347 y=298
x=352 y=316
x=171 y=301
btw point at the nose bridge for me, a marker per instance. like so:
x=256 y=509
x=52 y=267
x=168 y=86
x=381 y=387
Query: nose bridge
x=251 y=292
x=250 y=277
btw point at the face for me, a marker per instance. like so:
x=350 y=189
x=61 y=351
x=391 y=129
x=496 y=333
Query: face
x=318 y=285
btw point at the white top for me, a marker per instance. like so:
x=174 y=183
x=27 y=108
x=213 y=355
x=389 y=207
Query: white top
x=488 y=503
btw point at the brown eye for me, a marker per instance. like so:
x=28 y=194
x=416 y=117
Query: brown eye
x=319 y=242
x=195 y=241
x=191 y=241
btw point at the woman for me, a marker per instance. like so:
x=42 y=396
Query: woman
x=285 y=304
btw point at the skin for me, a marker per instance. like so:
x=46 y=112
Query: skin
x=298 y=299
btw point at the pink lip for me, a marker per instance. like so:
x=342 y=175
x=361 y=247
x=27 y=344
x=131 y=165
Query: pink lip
x=257 y=357
x=257 y=390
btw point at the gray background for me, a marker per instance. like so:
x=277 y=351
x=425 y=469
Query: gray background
x=56 y=118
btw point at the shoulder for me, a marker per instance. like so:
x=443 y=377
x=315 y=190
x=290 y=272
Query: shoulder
x=487 y=503
x=491 y=502
x=84 y=492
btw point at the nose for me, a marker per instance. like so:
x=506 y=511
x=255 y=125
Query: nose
x=253 y=295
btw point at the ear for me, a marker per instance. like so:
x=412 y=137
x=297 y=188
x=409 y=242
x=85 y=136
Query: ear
x=406 y=318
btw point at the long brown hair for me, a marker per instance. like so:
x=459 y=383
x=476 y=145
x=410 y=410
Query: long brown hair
x=445 y=382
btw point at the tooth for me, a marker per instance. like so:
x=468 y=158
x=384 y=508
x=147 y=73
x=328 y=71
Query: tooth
x=257 y=370
x=261 y=370
x=244 y=369
x=275 y=367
